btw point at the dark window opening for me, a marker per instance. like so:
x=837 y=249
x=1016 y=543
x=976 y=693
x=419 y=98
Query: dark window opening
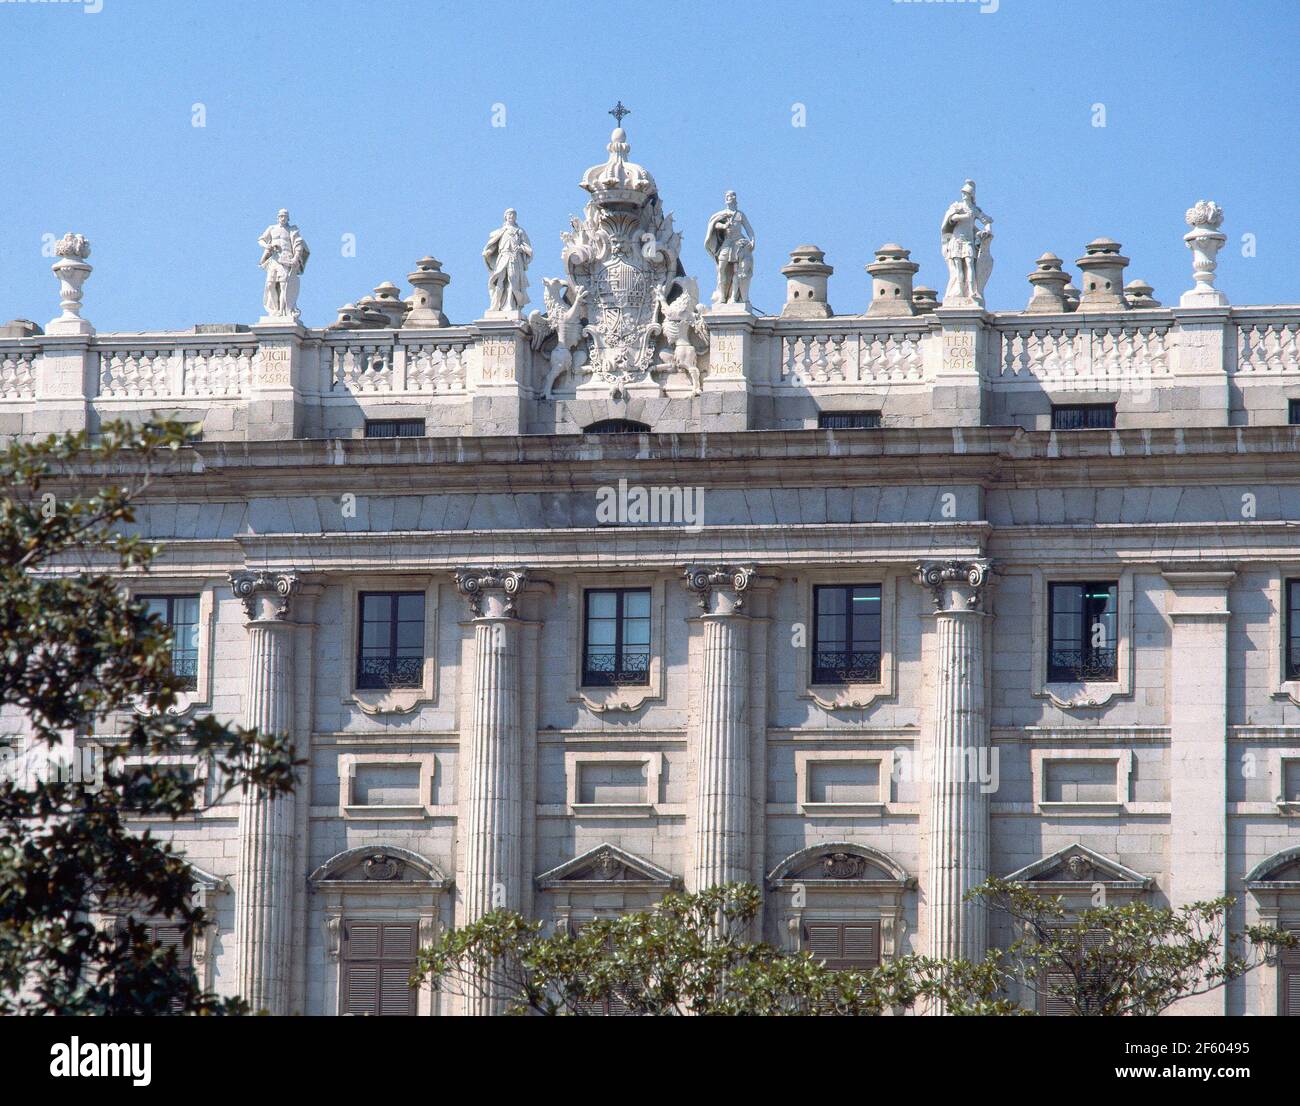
x=394 y=428
x=1083 y=416
x=848 y=420
x=378 y=959
x=390 y=639
x=1293 y=629
x=616 y=630
x=1082 y=631
x=180 y=613
x=846 y=634
x=616 y=426
x=1293 y=412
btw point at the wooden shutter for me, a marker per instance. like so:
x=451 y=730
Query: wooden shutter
x=1289 y=984
x=1052 y=1005
x=170 y=935
x=378 y=958
x=852 y=946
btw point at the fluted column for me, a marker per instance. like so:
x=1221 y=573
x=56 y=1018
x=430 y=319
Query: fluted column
x=264 y=897
x=722 y=852
x=492 y=824
x=958 y=759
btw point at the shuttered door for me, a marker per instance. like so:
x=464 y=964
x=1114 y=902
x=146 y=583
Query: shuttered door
x=169 y=935
x=844 y=946
x=1289 y=983
x=612 y=1007
x=1055 y=986
x=378 y=958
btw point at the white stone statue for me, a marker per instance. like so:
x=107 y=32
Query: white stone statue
x=966 y=250
x=507 y=254
x=730 y=242
x=563 y=320
x=681 y=317
x=284 y=257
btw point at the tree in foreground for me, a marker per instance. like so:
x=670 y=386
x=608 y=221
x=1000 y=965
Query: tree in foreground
x=688 y=955
x=78 y=658
x=1132 y=959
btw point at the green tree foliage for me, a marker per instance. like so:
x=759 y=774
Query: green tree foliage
x=78 y=658
x=687 y=955
x=1134 y=959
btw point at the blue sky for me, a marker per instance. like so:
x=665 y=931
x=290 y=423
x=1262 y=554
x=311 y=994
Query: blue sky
x=375 y=120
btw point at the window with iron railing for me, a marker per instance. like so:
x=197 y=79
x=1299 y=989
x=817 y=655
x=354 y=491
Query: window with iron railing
x=395 y=428
x=390 y=639
x=848 y=420
x=616 y=632
x=180 y=613
x=1083 y=631
x=1083 y=416
x=846 y=634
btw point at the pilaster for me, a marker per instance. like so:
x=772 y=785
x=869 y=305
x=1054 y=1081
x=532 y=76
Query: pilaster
x=1197 y=606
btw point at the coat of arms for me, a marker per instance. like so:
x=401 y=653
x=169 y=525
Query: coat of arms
x=621 y=269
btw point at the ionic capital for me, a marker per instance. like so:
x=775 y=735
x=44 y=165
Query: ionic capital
x=720 y=589
x=491 y=592
x=956 y=584
x=267 y=596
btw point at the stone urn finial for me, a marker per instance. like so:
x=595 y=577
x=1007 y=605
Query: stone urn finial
x=72 y=271
x=1205 y=239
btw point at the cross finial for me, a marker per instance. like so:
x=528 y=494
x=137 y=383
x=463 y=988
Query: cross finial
x=618 y=111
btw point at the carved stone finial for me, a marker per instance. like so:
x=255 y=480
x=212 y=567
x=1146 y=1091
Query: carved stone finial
x=491 y=592
x=806 y=279
x=720 y=589
x=429 y=282
x=75 y=246
x=1140 y=294
x=261 y=590
x=891 y=281
x=1049 y=281
x=1205 y=239
x=72 y=271
x=968 y=577
x=1103 y=276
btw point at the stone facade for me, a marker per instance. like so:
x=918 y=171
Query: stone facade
x=499 y=774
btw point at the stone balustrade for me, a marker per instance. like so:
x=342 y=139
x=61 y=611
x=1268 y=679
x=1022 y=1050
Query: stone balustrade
x=1164 y=366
